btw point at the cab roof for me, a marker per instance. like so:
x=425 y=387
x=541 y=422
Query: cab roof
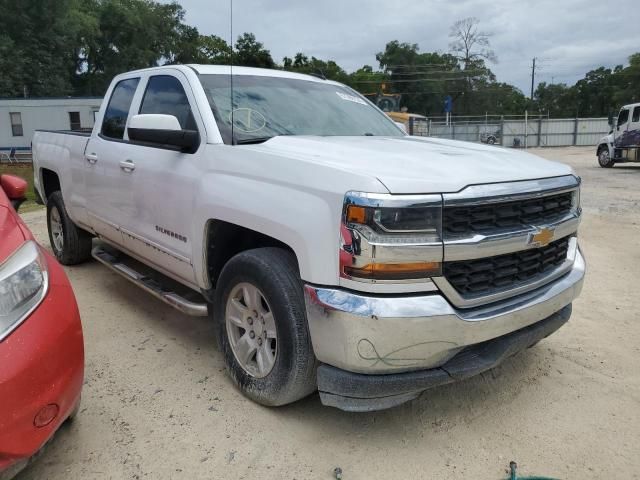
x=237 y=70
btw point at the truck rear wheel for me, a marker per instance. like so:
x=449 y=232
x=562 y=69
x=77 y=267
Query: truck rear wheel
x=262 y=329
x=71 y=245
x=604 y=158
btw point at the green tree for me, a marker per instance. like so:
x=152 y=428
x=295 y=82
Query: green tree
x=368 y=81
x=132 y=34
x=423 y=79
x=36 y=50
x=214 y=50
x=303 y=64
x=251 y=53
x=556 y=99
x=627 y=82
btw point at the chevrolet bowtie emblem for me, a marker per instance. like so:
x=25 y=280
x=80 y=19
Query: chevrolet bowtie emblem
x=541 y=238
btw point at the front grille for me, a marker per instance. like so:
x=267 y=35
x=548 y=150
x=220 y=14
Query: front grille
x=466 y=220
x=488 y=275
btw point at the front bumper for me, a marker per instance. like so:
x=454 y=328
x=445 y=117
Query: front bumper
x=383 y=335
x=41 y=363
x=356 y=392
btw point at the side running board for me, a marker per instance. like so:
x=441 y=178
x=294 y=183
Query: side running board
x=154 y=283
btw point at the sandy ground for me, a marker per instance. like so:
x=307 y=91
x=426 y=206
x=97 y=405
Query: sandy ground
x=157 y=403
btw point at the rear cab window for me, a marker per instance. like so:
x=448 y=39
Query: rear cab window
x=117 y=112
x=636 y=114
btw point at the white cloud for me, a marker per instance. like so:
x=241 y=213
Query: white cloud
x=569 y=37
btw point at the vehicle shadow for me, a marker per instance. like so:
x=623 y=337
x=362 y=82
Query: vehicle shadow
x=438 y=408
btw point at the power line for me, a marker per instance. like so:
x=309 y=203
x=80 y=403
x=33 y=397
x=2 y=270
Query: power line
x=416 y=80
x=433 y=72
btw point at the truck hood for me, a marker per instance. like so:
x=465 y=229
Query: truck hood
x=415 y=164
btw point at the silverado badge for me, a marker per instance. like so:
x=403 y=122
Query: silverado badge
x=541 y=238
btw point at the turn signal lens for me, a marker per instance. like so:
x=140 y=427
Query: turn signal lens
x=395 y=271
x=356 y=214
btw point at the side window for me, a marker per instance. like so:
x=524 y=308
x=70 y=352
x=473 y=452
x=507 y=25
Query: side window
x=636 y=115
x=165 y=95
x=623 y=117
x=16 y=124
x=115 y=118
x=74 y=121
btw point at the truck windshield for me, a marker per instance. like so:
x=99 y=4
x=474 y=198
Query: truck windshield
x=264 y=107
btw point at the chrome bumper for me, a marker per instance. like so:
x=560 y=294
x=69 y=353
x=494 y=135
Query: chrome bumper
x=390 y=334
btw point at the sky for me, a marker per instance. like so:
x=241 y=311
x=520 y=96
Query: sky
x=568 y=37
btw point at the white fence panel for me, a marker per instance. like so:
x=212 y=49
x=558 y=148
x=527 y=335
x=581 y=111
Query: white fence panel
x=534 y=132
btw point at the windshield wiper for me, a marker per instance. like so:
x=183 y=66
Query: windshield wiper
x=250 y=141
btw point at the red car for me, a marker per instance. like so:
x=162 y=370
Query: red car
x=41 y=346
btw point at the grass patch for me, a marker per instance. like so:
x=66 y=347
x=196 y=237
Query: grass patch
x=23 y=170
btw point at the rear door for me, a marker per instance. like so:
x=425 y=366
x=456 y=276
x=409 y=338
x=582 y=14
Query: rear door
x=163 y=181
x=108 y=196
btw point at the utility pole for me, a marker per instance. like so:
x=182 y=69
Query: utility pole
x=533 y=75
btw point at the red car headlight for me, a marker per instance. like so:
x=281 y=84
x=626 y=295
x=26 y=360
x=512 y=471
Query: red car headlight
x=23 y=285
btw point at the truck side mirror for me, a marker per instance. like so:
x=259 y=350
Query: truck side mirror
x=162 y=131
x=15 y=189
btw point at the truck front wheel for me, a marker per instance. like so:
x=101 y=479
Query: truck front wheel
x=71 y=245
x=262 y=328
x=604 y=157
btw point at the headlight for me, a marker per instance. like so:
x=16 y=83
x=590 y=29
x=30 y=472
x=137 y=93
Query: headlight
x=23 y=285
x=419 y=222
x=391 y=238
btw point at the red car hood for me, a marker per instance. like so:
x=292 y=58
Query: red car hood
x=12 y=230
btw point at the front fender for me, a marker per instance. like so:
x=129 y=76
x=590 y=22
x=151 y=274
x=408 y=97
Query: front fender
x=607 y=141
x=296 y=200
x=306 y=222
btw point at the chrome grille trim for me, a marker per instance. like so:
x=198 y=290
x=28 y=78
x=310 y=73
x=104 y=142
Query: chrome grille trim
x=510 y=191
x=491 y=245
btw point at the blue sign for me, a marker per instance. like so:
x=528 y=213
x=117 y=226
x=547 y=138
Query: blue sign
x=448 y=104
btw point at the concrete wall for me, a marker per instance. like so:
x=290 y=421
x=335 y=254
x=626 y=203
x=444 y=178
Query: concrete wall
x=43 y=114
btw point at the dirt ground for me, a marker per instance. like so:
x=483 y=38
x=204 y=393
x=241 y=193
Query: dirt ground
x=157 y=403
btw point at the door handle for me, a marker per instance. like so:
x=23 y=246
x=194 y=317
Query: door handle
x=127 y=165
x=92 y=158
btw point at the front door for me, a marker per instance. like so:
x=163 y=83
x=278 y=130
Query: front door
x=632 y=136
x=622 y=125
x=160 y=203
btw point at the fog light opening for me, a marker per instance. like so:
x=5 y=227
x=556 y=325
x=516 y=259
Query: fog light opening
x=46 y=415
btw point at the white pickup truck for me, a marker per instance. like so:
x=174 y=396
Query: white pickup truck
x=332 y=251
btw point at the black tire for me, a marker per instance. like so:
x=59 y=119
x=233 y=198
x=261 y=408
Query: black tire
x=274 y=272
x=491 y=140
x=76 y=243
x=604 y=158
